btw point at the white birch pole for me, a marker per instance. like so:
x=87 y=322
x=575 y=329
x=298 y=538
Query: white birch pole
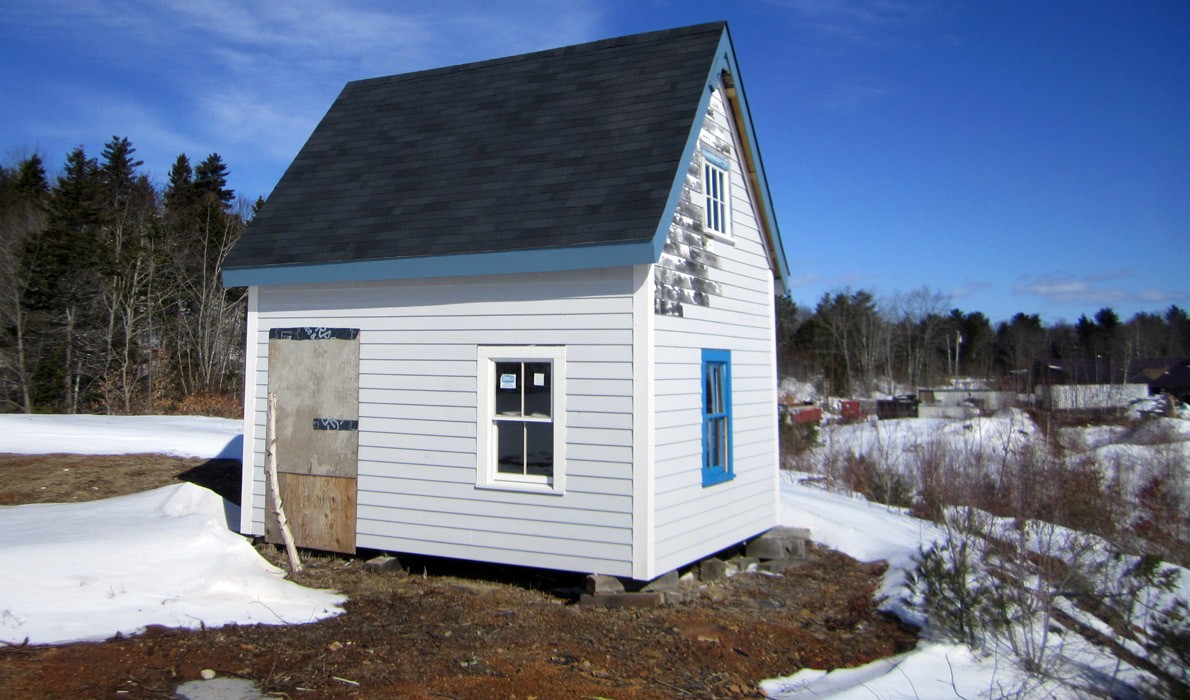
x=270 y=468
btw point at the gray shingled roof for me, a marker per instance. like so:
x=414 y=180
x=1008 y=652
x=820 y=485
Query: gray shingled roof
x=568 y=147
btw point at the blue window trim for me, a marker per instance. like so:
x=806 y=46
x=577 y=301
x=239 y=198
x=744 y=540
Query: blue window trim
x=716 y=473
x=715 y=160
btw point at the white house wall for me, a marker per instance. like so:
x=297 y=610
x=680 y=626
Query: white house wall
x=727 y=304
x=417 y=439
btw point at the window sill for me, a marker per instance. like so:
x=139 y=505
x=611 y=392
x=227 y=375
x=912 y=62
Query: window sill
x=726 y=238
x=710 y=479
x=520 y=487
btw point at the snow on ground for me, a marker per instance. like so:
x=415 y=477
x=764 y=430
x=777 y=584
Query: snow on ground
x=85 y=571
x=869 y=532
x=863 y=530
x=181 y=436
x=872 y=532
x=895 y=444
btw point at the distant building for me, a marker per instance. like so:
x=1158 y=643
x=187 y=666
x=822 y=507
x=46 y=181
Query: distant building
x=1083 y=384
x=1174 y=382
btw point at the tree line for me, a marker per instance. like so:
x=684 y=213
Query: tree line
x=110 y=292
x=852 y=343
x=111 y=301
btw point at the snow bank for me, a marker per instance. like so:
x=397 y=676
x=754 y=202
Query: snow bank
x=182 y=436
x=85 y=571
x=862 y=530
x=932 y=671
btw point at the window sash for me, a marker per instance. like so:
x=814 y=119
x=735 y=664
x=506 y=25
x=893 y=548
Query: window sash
x=715 y=191
x=521 y=439
x=716 y=421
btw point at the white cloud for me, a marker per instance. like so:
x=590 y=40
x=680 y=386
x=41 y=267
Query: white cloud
x=850 y=97
x=968 y=290
x=1098 y=290
x=250 y=79
x=857 y=22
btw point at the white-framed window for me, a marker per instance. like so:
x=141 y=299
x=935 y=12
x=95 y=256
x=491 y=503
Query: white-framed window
x=521 y=432
x=716 y=205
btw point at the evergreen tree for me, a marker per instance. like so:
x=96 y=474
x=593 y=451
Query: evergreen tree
x=23 y=195
x=210 y=179
x=180 y=194
x=127 y=266
x=30 y=183
x=1179 y=332
x=118 y=170
x=62 y=285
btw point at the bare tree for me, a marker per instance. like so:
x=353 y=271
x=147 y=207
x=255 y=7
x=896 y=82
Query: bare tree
x=920 y=321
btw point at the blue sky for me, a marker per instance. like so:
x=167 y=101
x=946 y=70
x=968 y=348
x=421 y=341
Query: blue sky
x=1016 y=156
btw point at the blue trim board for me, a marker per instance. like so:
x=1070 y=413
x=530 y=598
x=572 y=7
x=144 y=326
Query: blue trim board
x=712 y=476
x=504 y=262
x=716 y=161
x=729 y=63
x=675 y=191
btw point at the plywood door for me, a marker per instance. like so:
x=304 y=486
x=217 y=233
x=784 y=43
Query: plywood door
x=314 y=373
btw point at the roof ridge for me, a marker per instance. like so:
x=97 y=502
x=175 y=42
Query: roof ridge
x=597 y=45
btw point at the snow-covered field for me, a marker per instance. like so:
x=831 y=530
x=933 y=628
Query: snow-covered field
x=868 y=531
x=89 y=570
x=85 y=571
x=181 y=436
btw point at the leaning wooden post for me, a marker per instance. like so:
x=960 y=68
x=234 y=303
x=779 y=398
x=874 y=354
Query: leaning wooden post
x=270 y=470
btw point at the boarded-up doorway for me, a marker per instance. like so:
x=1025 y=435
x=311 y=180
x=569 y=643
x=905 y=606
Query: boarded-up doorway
x=314 y=373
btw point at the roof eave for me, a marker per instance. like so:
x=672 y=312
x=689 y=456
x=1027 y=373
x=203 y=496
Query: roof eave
x=465 y=264
x=725 y=62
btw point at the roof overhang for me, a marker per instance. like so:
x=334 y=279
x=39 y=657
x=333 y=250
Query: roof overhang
x=639 y=252
x=502 y=262
x=725 y=64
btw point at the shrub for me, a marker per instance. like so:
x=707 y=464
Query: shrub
x=797 y=442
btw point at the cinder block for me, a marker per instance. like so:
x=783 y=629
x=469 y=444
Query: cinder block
x=603 y=584
x=665 y=582
x=383 y=564
x=712 y=570
x=792 y=533
x=776 y=566
x=677 y=596
x=623 y=600
x=767 y=548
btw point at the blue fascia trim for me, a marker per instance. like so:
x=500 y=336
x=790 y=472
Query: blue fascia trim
x=710 y=477
x=727 y=62
x=504 y=262
x=675 y=190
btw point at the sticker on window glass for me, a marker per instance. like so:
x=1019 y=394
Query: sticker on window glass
x=507 y=381
x=539 y=379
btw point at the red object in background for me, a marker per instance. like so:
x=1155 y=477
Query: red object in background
x=849 y=410
x=812 y=414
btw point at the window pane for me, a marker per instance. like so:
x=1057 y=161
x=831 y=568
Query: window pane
x=510 y=447
x=537 y=389
x=720 y=442
x=508 y=388
x=539 y=440
x=715 y=389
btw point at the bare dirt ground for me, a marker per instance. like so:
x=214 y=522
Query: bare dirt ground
x=449 y=629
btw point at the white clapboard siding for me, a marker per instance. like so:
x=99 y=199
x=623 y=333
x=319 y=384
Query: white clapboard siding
x=692 y=521
x=417 y=487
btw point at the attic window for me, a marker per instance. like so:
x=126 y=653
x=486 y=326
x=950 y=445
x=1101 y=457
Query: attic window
x=715 y=180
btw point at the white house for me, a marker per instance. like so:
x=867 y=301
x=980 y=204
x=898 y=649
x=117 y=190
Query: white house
x=522 y=311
